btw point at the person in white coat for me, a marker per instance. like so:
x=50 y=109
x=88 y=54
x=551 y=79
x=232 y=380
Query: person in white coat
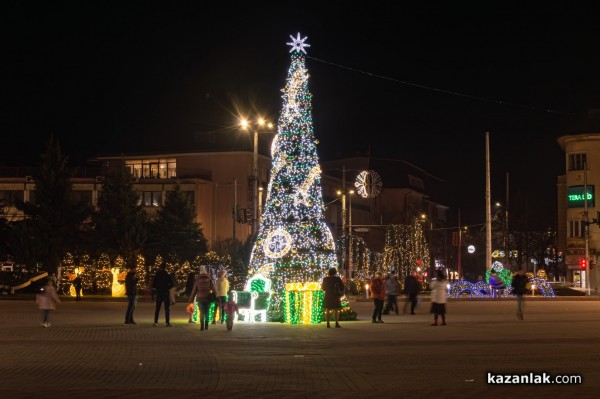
x=438 y=298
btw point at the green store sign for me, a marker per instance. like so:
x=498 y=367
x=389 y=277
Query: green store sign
x=576 y=199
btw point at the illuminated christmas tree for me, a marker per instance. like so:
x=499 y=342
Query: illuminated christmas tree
x=294 y=245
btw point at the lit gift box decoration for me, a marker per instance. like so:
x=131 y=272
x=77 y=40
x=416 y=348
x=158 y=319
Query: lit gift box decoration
x=303 y=303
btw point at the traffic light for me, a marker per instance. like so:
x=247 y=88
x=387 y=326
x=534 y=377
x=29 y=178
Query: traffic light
x=583 y=263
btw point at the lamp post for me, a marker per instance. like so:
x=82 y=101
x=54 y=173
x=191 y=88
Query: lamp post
x=343 y=195
x=246 y=125
x=350 y=233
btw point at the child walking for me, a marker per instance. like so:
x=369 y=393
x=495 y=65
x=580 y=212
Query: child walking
x=46 y=300
x=230 y=309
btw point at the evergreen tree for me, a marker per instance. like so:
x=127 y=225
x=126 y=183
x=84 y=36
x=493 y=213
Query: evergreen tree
x=55 y=219
x=293 y=243
x=175 y=231
x=120 y=222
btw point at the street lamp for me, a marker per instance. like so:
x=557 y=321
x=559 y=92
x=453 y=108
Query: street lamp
x=245 y=124
x=343 y=194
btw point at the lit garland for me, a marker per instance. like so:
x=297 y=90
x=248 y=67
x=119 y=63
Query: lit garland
x=140 y=271
x=293 y=235
x=405 y=250
x=360 y=255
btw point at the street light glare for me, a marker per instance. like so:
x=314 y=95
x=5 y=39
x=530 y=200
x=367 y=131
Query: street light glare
x=351 y=192
x=261 y=122
x=244 y=123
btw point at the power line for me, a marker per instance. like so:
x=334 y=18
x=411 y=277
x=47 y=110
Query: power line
x=435 y=89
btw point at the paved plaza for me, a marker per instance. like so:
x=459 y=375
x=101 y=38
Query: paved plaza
x=89 y=353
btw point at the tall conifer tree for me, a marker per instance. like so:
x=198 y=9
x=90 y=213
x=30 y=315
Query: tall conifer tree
x=293 y=243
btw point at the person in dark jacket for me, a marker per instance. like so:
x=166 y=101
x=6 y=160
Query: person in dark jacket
x=519 y=285
x=333 y=286
x=162 y=284
x=131 y=291
x=77 y=286
x=411 y=286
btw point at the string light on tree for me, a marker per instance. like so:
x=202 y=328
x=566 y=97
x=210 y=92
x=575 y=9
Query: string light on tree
x=293 y=235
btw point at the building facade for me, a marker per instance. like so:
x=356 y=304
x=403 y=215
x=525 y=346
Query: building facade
x=219 y=182
x=577 y=206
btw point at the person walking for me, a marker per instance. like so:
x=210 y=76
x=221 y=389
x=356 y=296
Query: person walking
x=378 y=296
x=333 y=286
x=411 y=286
x=392 y=289
x=131 y=290
x=162 y=286
x=202 y=287
x=189 y=286
x=519 y=285
x=231 y=308
x=77 y=286
x=222 y=290
x=46 y=299
x=438 y=298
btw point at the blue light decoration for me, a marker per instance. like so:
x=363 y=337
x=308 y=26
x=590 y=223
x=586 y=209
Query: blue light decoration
x=477 y=290
x=543 y=285
x=293 y=244
x=482 y=290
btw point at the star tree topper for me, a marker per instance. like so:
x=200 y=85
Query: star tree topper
x=298 y=43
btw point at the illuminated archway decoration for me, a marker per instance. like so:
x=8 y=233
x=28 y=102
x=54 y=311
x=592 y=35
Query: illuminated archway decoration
x=482 y=290
x=477 y=290
x=542 y=285
x=303 y=303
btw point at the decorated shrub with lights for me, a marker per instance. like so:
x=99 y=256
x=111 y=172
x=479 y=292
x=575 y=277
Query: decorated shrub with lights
x=294 y=245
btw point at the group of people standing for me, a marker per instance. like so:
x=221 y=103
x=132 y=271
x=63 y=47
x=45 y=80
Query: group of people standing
x=198 y=288
x=389 y=289
x=201 y=288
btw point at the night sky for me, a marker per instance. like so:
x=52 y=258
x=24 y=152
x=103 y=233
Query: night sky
x=111 y=77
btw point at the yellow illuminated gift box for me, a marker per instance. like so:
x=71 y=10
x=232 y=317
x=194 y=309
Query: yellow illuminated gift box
x=303 y=303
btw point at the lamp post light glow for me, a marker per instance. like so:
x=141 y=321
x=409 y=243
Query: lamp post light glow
x=246 y=125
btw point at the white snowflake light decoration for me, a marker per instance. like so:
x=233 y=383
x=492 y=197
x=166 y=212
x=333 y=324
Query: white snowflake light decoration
x=298 y=43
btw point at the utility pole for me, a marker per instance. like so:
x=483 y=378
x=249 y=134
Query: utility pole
x=459 y=247
x=506 y=256
x=234 y=206
x=488 y=206
x=344 y=217
x=586 y=229
x=255 y=184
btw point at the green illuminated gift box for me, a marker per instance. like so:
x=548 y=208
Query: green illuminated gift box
x=303 y=303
